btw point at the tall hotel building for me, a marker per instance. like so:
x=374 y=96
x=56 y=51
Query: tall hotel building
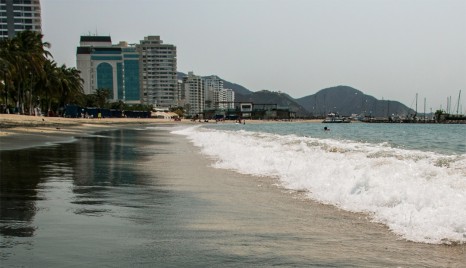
x=159 y=84
x=212 y=85
x=217 y=97
x=193 y=94
x=107 y=66
x=19 y=15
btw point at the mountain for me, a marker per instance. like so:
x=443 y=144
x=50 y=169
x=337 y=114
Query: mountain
x=344 y=100
x=238 y=89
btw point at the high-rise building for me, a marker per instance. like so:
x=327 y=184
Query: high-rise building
x=107 y=66
x=212 y=86
x=19 y=15
x=159 y=84
x=217 y=97
x=226 y=98
x=193 y=94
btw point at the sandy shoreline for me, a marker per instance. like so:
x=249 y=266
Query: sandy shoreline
x=22 y=131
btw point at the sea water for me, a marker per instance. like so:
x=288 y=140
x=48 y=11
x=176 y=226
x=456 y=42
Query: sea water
x=409 y=177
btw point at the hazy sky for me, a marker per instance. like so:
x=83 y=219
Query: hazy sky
x=389 y=49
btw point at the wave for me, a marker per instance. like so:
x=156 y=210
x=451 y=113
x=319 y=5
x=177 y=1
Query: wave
x=420 y=196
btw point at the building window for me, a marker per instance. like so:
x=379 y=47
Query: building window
x=105 y=77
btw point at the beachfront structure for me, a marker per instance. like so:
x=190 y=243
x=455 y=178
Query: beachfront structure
x=193 y=94
x=107 y=66
x=157 y=62
x=19 y=15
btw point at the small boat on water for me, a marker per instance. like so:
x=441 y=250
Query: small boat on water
x=336 y=118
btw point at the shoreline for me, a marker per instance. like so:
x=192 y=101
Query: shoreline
x=25 y=131
x=22 y=131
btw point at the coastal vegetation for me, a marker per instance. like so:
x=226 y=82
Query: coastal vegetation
x=31 y=80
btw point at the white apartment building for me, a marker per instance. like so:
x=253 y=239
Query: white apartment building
x=193 y=92
x=159 y=85
x=19 y=15
x=226 y=98
x=212 y=86
x=217 y=97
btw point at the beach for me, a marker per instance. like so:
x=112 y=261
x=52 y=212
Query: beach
x=133 y=193
x=23 y=131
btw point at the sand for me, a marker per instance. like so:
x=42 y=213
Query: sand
x=23 y=131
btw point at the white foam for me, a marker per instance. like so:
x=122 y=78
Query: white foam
x=420 y=196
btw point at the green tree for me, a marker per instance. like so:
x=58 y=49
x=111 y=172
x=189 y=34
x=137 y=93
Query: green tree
x=22 y=61
x=102 y=95
x=29 y=78
x=71 y=85
x=438 y=115
x=178 y=110
x=119 y=105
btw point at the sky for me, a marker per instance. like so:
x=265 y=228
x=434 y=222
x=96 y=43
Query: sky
x=390 y=49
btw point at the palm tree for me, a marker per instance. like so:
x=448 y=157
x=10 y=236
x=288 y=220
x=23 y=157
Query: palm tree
x=71 y=85
x=26 y=55
x=102 y=95
x=29 y=76
x=5 y=78
x=60 y=85
x=48 y=85
x=7 y=69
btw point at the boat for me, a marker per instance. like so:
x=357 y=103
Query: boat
x=336 y=118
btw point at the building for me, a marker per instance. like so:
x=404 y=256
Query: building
x=107 y=66
x=193 y=95
x=212 y=86
x=19 y=15
x=217 y=97
x=132 y=86
x=226 y=98
x=157 y=63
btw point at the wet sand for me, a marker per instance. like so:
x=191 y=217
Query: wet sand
x=264 y=223
x=22 y=131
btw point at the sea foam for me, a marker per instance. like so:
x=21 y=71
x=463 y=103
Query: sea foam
x=420 y=196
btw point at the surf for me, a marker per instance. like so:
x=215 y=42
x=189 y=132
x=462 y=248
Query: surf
x=418 y=195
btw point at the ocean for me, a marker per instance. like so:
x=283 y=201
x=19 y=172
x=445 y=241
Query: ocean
x=409 y=177
x=226 y=195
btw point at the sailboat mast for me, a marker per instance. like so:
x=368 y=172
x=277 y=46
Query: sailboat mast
x=458 y=106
